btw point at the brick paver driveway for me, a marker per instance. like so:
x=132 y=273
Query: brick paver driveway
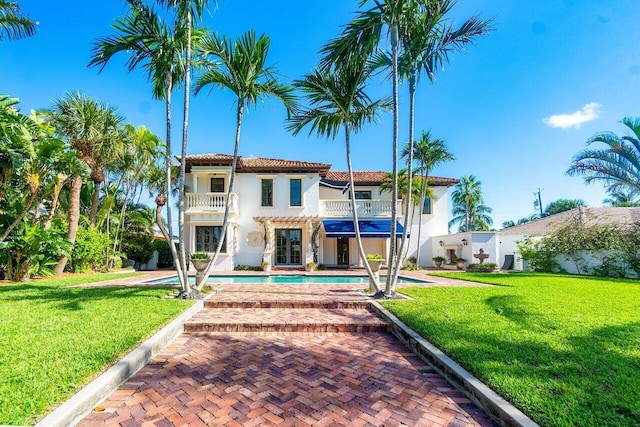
x=295 y=374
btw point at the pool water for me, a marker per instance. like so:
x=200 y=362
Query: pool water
x=284 y=278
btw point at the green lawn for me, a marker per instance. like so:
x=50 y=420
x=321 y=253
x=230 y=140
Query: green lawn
x=563 y=349
x=54 y=339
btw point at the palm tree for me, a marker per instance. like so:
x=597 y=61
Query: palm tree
x=617 y=165
x=13 y=24
x=143 y=149
x=159 y=48
x=428 y=152
x=91 y=128
x=427 y=40
x=186 y=11
x=360 y=39
x=241 y=68
x=338 y=102
x=622 y=198
x=416 y=185
x=469 y=210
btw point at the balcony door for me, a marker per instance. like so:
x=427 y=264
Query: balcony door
x=288 y=246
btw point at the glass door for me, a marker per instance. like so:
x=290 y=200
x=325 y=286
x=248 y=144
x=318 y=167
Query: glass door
x=288 y=247
x=343 y=251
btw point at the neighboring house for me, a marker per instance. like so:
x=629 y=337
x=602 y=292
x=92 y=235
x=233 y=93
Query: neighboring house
x=289 y=213
x=624 y=217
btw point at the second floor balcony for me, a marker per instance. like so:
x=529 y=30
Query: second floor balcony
x=365 y=208
x=202 y=203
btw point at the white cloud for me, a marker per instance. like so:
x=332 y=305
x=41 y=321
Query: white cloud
x=589 y=112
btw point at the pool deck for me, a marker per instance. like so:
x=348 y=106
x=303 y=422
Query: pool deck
x=422 y=275
x=287 y=355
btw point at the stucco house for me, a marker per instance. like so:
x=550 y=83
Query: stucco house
x=627 y=217
x=289 y=213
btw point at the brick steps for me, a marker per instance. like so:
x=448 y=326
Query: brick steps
x=293 y=304
x=234 y=319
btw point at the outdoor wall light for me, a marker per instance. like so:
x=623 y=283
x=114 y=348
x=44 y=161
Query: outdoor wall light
x=441 y=243
x=465 y=241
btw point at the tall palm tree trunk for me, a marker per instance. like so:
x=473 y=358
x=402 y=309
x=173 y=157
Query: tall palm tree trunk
x=183 y=158
x=184 y=285
x=354 y=212
x=409 y=199
x=97 y=176
x=74 y=218
x=390 y=286
x=225 y=218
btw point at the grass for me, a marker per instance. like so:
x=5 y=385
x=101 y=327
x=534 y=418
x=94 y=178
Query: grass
x=563 y=349
x=54 y=339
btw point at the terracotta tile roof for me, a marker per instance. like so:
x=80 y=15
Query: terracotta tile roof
x=376 y=178
x=624 y=217
x=256 y=164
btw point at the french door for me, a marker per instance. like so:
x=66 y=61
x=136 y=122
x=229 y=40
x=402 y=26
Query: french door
x=343 y=251
x=288 y=246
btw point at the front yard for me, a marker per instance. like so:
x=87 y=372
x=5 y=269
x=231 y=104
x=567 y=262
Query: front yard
x=54 y=339
x=563 y=349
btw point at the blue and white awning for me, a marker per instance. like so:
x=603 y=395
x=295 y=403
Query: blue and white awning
x=371 y=228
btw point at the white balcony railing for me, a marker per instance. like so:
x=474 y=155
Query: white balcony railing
x=365 y=208
x=211 y=202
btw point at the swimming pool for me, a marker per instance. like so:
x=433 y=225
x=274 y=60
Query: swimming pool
x=283 y=278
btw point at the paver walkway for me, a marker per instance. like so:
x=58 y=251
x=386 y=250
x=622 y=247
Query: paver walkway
x=270 y=358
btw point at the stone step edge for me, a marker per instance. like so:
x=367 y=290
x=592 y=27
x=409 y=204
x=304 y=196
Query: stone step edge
x=289 y=304
x=503 y=412
x=276 y=327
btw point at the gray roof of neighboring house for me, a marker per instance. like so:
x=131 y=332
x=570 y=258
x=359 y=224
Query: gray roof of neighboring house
x=624 y=217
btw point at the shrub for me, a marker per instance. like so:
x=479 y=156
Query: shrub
x=373 y=256
x=439 y=258
x=90 y=250
x=138 y=247
x=165 y=259
x=242 y=267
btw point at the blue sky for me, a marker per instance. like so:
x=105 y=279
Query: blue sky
x=514 y=108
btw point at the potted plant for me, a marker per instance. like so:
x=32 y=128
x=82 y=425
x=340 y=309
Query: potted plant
x=439 y=260
x=375 y=261
x=311 y=266
x=200 y=261
x=266 y=266
x=460 y=263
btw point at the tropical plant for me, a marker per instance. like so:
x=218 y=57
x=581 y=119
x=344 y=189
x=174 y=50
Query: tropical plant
x=30 y=159
x=398 y=22
x=91 y=128
x=428 y=152
x=338 y=102
x=469 y=210
x=187 y=13
x=622 y=198
x=617 y=165
x=241 y=68
x=384 y=21
x=159 y=48
x=427 y=40
x=13 y=23
x=562 y=205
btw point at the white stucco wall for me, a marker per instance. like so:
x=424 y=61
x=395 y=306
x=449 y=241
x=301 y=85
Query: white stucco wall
x=248 y=188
